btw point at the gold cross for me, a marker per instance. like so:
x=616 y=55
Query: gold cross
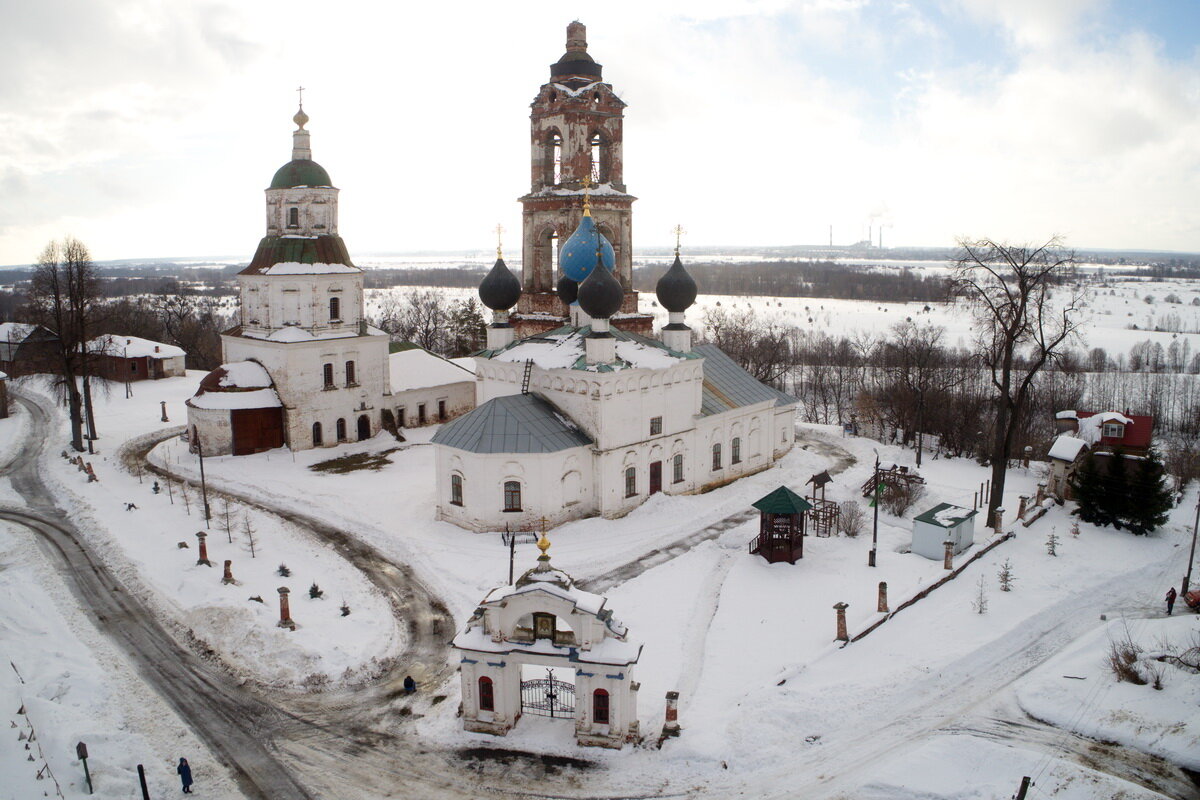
x=587 y=199
x=499 y=240
x=678 y=231
x=300 y=91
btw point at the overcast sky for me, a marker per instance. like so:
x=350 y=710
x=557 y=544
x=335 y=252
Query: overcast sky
x=150 y=128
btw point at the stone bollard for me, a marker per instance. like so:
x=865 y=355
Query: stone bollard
x=671 y=725
x=882 y=607
x=842 y=635
x=1023 y=506
x=228 y=576
x=91 y=475
x=164 y=410
x=1041 y=494
x=948 y=561
x=285 y=613
x=998 y=520
x=1028 y=453
x=203 y=559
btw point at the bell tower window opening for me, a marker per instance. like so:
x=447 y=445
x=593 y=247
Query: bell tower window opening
x=555 y=156
x=599 y=155
x=293 y=218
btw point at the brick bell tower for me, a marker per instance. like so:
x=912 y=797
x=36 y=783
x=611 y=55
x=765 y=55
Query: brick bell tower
x=576 y=138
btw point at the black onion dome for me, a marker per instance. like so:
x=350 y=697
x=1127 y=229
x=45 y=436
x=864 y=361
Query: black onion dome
x=568 y=290
x=676 y=289
x=600 y=294
x=500 y=289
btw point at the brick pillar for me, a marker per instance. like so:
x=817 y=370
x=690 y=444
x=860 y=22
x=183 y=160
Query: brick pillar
x=883 y=606
x=285 y=613
x=1041 y=495
x=948 y=563
x=1024 y=505
x=842 y=635
x=998 y=520
x=203 y=559
x=164 y=411
x=671 y=726
x=228 y=576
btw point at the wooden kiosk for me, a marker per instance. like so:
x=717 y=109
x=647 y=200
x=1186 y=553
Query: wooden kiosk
x=781 y=526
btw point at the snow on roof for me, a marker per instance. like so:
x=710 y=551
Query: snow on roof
x=296 y=268
x=945 y=515
x=466 y=362
x=15 y=331
x=1066 y=448
x=1091 y=428
x=575 y=92
x=256 y=398
x=420 y=369
x=3 y=376
x=1066 y=415
x=289 y=334
x=245 y=375
x=600 y=189
x=609 y=651
x=563 y=348
x=133 y=347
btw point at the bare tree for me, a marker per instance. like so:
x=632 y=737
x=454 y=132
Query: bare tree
x=1021 y=328
x=64 y=295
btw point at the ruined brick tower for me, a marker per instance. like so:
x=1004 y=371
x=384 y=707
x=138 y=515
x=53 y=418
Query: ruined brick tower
x=576 y=133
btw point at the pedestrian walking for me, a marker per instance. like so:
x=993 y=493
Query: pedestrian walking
x=410 y=685
x=185 y=775
x=1171 y=600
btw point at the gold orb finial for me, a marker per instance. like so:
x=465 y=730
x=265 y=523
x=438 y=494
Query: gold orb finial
x=543 y=544
x=499 y=240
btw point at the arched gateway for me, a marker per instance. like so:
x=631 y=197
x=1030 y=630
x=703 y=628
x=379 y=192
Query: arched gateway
x=545 y=621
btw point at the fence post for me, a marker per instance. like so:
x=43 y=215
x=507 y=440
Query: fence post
x=948 y=559
x=883 y=605
x=842 y=635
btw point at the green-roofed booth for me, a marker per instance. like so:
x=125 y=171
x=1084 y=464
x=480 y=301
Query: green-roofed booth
x=781 y=526
x=944 y=521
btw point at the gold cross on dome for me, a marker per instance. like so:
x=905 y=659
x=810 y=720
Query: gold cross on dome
x=587 y=198
x=300 y=91
x=499 y=240
x=678 y=231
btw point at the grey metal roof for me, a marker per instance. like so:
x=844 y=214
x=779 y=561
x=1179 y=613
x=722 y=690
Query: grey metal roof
x=519 y=423
x=727 y=386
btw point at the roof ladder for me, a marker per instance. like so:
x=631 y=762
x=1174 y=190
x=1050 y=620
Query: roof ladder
x=525 y=378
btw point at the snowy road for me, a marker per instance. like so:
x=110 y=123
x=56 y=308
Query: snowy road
x=230 y=721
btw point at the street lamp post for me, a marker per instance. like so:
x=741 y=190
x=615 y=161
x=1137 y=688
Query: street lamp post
x=874 y=502
x=1187 y=578
x=203 y=483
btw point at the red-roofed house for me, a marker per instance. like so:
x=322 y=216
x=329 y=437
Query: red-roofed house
x=1107 y=430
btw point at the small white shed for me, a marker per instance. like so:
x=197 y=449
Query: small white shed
x=942 y=522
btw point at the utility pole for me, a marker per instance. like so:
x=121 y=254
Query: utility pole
x=874 y=502
x=512 y=551
x=203 y=484
x=1187 y=578
x=1025 y=784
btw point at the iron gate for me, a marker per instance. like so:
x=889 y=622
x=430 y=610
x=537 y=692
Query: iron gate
x=548 y=697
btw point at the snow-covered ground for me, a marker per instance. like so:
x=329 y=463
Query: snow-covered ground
x=769 y=701
x=143 y=546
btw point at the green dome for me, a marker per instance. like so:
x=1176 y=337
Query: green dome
x=300 y=172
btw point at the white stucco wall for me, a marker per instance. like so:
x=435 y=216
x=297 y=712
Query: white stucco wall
x=459 y=399
x=214 y=428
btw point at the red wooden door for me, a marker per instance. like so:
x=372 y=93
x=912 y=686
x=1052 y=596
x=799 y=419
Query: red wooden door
x=655 y=476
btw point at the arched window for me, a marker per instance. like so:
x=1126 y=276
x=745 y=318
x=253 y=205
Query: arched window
x=293 y=218
x=599 y=154
x=677 y=467
x=456 y=490
x=717 y=455
x=735 y=453
x=350 y=377
x=512 y=495
x=600 y=707
x=487 y=697
x=341 y=430
x=630 y=481
x=328 y=371
x=335 y=308
x=317 y=441
x=556 y=159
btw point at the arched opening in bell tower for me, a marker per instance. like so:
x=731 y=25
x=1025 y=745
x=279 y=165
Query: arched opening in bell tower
x=545 y=260
x=553 y=164
x=598 y=149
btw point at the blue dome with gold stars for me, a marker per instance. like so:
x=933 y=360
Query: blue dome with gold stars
x=578 y=256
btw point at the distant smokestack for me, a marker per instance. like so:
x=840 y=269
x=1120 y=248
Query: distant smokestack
x=870 y=234
x=831 y=236
x=880 y=237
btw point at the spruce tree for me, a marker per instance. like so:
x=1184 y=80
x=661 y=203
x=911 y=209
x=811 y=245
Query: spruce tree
x=1150 y=498
x=1116 y=499
x=1089 y=493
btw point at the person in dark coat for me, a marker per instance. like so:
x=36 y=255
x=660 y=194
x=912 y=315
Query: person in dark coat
x=185 y=775
x=410 y=685
x=1171 y=600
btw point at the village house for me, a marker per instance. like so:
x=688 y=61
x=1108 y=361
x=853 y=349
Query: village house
x=427 y=388
x=1081 y=432
x=26 y=349
x=129 y=358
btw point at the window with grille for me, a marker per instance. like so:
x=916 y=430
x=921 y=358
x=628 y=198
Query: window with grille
x=487 y=696
x=512 y=495
x=630 y=481
x=735 y=453
x=600 y=707
x=335 y=308
x=328 y=369
x=341 y=430
x=655 y=426
x=717 y=456
x=677 y=468
x=317 y=442
x=350 y=376
x=293 y=218
x=456 y=490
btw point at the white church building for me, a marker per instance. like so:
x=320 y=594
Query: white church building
x=322 y=375
x=588 y=419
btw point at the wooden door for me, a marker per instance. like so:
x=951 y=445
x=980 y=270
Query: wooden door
x=655 y=476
